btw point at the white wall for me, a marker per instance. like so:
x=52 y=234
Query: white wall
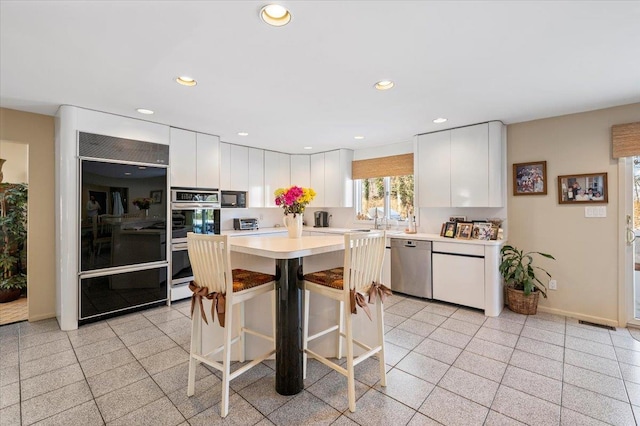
x=16 y=168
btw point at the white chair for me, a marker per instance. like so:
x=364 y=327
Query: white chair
x=363 y=258
x=214 y=279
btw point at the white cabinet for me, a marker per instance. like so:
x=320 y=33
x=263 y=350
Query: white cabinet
x=256 y=178
x=458 y=279
x=194 y=159
x=433 y=168
x=316 y=178
x=331 y=178
x=207 y=161
x=277 y=174
x=463 y=167
x=300 y=170
x=234 y=167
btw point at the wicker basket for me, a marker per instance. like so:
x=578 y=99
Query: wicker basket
x=521 y=304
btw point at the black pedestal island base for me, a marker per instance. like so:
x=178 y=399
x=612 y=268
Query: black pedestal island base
x=289 y=296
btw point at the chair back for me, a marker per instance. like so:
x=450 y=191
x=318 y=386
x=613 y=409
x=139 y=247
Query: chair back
x=363 y=258
x=210 y=261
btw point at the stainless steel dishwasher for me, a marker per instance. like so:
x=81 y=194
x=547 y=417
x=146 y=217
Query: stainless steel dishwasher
x=411 y=267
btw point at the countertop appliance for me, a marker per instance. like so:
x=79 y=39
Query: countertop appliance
x=321 y=219
x=234 y=199
x=411 y=267
x=245 y=224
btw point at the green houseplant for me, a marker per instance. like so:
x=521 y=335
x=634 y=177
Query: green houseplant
x=519 y=273
x=13 y=234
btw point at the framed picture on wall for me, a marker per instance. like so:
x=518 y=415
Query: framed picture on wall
x=582 y=189
x=156 y=196
x=530 y=178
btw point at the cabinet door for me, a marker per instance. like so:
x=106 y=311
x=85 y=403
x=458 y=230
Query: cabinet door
x=458 y=279
x=239 y=168
x=470 y=166
x=277 y=174
x=256 y=178
x=225 y=165
x=182 y=153
x=316 y=179
x=207 y=161
x=332 y=181
x=497 y=163
x=434 y=170
x=300 y=170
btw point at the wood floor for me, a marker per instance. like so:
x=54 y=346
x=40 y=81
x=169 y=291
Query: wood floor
x=13 y=311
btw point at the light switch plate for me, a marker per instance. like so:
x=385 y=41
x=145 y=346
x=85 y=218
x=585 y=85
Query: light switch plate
x=595 y=211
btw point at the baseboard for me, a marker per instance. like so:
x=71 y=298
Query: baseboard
x=578 y=316
x=33 y=318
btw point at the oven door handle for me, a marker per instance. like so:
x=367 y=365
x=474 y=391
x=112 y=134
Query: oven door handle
x=188 y=206
x=178 y=246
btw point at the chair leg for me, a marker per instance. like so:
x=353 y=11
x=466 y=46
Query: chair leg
x=340 y=329
x=381 y=354
x=351 y=381
x=305 y=334
x=241 y=334
x=226 y=360
x=196 y=348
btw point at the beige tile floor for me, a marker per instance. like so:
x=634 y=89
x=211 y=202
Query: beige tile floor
x=446 y=365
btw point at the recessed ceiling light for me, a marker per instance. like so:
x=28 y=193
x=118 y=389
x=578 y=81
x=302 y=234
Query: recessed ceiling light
x=142 y=168
x=439 y=120
x=127 y=173
x=243 y=134
x=384 y=85
x=275 y=15
x=144 y=111
x=186 y=81
x=358 y=137
x=308 y=147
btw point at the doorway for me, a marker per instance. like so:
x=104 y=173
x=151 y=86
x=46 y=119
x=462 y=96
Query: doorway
x=13 y=202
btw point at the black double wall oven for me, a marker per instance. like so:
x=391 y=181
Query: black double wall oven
x=192 y=210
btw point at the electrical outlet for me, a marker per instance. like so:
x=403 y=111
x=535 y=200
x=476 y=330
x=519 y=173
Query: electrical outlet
x=553 y=285
x=261 y=217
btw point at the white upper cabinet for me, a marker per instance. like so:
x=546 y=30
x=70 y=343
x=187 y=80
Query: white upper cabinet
x=331 y=178
x=434 y=169
x=338 y=184
x=234 y=167
x=277 y=174
x=207 y=161
x=300 y=170
x=316 y=178
x=194 y=159
x=463 y=167
x=256 y=178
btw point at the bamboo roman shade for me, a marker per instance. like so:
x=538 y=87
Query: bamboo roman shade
x=394 y=165
x=625 y=139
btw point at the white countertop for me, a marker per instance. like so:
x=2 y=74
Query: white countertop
x=342 y=231
x=283 y=247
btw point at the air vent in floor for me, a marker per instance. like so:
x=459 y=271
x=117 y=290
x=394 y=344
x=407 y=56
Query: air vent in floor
x=607 y=327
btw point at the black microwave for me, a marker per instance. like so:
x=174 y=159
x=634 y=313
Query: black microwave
x=235 y=199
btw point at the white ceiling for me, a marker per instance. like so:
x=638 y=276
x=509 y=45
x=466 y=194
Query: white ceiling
x=310 y=83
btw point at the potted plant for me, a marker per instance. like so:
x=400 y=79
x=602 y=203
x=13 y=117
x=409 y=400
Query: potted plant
x=13 y=234
x=519 y=273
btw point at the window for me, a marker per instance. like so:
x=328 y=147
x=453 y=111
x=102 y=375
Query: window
x=384 y=187
x=389 y=197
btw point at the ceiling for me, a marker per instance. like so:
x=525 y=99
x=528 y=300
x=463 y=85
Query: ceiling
x=310 y=83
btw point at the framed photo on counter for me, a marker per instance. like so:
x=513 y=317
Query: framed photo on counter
x=450 y=230
x=482 y=231
x=464 y=230
x=530 y=178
